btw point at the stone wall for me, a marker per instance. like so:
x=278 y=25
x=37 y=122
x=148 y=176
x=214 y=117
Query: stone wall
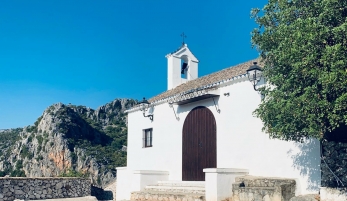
x=333 y=194
x=249 y=188
x=43 y=188
x=334 y=160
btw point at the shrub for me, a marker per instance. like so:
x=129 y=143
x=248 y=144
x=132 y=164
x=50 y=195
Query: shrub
x=74 y=173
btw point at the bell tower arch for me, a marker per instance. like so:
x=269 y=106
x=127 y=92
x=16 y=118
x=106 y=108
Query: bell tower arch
x=182 y=67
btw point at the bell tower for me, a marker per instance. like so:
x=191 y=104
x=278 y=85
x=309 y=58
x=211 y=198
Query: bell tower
x=182 y=67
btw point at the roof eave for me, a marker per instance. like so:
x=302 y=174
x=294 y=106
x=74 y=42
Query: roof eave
x=204 y=90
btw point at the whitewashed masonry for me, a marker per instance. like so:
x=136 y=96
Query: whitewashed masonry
x=240 y=142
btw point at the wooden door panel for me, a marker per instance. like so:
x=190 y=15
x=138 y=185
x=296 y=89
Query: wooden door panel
x=199 y=144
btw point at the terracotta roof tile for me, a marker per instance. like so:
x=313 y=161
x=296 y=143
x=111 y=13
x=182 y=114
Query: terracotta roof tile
x=224 y=74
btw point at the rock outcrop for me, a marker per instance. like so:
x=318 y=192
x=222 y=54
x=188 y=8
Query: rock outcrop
x=69 y=140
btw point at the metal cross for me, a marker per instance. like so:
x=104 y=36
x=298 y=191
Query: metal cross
x=183 y=36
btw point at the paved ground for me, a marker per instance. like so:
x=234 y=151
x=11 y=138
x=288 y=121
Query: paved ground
x=88 y=198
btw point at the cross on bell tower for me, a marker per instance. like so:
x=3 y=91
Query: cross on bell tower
x=183 y=36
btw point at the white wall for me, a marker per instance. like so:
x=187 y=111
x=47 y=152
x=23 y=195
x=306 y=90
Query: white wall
x=193 y=70
x=174 y=67
x=123 y=187
x=240 y=142
x=165 y=154
x=174 y=72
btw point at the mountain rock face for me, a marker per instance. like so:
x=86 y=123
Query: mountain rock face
x=69 y=140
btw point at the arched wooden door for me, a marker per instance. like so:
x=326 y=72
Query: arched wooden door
x=199 y=147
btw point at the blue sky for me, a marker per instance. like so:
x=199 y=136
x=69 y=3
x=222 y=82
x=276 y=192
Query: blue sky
x=88 y=52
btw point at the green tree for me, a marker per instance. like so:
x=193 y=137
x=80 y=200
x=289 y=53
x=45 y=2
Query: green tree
x=73 y=173
x=303 y=44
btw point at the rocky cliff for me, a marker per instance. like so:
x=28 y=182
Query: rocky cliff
x=69 y=140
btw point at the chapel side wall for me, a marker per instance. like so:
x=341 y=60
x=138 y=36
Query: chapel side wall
x=165 y=154
x=123 y=188
x=242 y=144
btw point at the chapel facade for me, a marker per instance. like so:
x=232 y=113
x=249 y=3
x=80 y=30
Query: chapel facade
x=202 y=127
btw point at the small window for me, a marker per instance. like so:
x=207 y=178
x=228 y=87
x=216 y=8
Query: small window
x=147 y=138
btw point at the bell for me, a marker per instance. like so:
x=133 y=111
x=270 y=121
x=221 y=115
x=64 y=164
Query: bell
x=184 y=66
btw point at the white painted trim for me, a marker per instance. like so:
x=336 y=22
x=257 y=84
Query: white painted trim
x=121 y=168
x=151 y=172
x=225 y=170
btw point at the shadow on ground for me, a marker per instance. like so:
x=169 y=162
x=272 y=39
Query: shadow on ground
x=101 y=194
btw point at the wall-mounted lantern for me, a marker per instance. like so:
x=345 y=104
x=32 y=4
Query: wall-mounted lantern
x=254 y=74
x=144 y=105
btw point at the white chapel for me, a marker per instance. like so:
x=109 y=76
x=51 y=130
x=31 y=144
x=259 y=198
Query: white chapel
x=201 y=130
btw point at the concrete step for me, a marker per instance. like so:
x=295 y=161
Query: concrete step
x=172 y=196
x=177 y=189
x=173 y=191
x=182 y=183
